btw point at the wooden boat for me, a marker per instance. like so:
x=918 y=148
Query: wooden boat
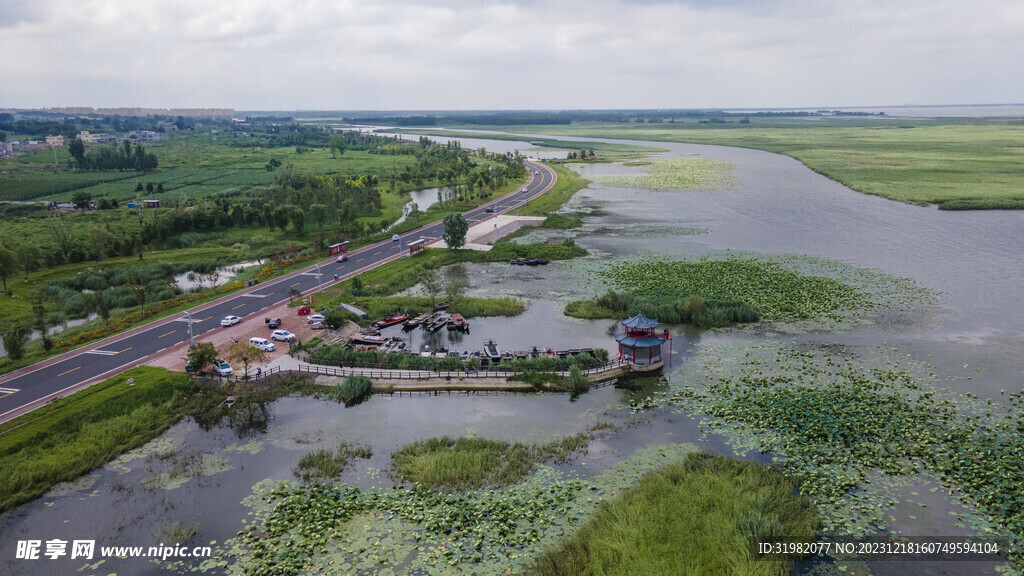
x=390 y=320
x=491 y=351
x=369 y=331
x=441 y=306
x=438 y=322
x=417 y=320
x=367 y=339
x=457 y=322
x=535 y=262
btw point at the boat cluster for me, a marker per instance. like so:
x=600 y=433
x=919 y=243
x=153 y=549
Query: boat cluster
x=432 y=322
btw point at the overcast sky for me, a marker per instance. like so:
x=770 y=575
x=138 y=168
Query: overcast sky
x=520 y=54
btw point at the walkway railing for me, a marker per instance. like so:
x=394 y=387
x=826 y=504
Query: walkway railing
x=397 y=374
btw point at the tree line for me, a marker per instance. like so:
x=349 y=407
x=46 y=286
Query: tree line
x=112 y=157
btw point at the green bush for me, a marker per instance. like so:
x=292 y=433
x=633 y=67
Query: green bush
x=355 y=389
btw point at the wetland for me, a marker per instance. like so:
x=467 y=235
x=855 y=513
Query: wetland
x=921 y=341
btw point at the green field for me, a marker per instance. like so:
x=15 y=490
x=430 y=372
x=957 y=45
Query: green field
x=915 y=161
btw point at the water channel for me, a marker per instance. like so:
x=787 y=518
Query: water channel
x=774 y=206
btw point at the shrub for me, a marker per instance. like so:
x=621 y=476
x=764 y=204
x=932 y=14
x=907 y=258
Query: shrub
x=355 y=389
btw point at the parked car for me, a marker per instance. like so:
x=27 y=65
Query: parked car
x=221 y=367
x=342 y=258
x=273 y=323
x=303 y=310
x=315 y=318
x=282 y=335
x=230 y=321
x=263 y=343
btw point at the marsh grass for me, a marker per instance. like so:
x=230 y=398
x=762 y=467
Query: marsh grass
x=178 y=533
x=470 y=463
x=667 y=309
x=327 y=465
x=704 y=515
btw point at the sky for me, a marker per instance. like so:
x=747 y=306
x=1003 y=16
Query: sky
x=511 y=55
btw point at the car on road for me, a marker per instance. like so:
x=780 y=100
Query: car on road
x=489 y=209
x=396 y=238
x=221 y=367
x=342 y=258
x=262 y=343
x=230 y=321
x=303 y=310
x=536 y=172
x=282 y=335
x=273 y=323
x=525 y=190
x=315 y=318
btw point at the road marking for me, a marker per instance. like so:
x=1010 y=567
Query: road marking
x=294 y=285
x=255 y=295
x=359 y=260
x=201 y=319
x=125 y=350
x=239 y=306
x=5 y=392
x=168 y=334
x=68 y=372
x=101 y=352
x=377 y=252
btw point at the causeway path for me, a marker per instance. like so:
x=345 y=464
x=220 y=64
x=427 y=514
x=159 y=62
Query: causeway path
x=28 y=388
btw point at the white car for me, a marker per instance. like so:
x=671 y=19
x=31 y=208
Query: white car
x=262 y=343
x=282 y=335
x=230 y=321
x=536 y=172
x=396 y=238
x=315 y=318
x=221 y=367
x=525 y=190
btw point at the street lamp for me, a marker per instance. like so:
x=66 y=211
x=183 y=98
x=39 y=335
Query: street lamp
x=319 y=287
x=191 y=338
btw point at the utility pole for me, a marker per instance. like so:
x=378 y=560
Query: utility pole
x=319 y=286
x=191 y=338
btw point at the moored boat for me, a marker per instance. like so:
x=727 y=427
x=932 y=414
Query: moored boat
x=457 y=322
x=390 y=320
x=416 y=320
x=491 y=351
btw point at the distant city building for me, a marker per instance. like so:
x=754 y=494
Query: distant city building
x=145 y=136
x=55 y=140
x=99 y=138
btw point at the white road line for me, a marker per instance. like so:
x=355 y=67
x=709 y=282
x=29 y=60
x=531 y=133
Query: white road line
x=6 y=391
x=101 y=352
x=255 y=295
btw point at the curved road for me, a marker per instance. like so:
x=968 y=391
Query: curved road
x=28 y=388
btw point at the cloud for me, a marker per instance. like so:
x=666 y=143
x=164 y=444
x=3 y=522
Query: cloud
x=461 y=54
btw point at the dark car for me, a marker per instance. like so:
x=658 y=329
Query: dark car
x=488 y=209
x=273 y=323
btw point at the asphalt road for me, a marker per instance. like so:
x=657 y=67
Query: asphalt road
x=33 y=386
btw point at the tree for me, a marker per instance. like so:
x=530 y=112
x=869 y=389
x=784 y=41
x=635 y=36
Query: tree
x=336 y=145
x=140 y=289
x=242 y=352
x=201 y=355
x=81 y=200
x=281 y=217
x=268 y=215
x=149 y=187
x=99 y=240
x=455 y=284
x=77 y=149
x=455 y=228
x=14 y=342
x=298 y=218
x=8 y=264
x=29 y=256
x=63 y=234
x=431 y=284
x=101 y=307
x=319 y=214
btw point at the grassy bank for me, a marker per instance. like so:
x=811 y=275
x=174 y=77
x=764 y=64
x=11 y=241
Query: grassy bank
x=71 y=436
x=918 y=161
x=338 y=355
x=601 y=149
x=327 y=465
x=705 y=515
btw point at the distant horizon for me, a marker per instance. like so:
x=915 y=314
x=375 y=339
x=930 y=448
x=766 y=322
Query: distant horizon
x=826 y=107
